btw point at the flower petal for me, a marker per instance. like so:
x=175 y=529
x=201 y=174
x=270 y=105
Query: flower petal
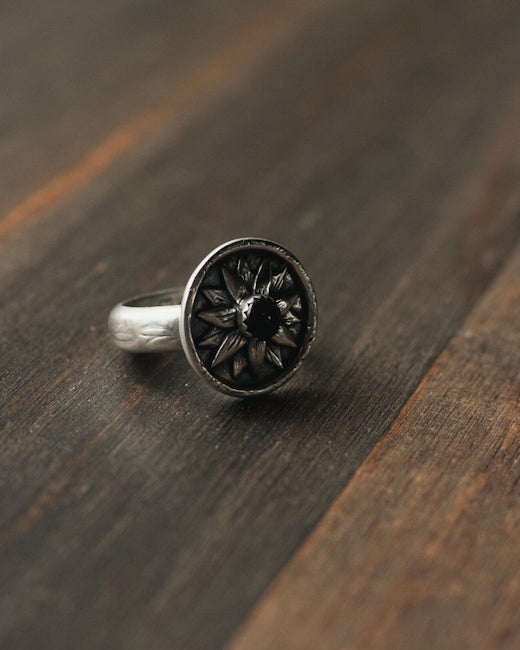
x=244 y=271
x=273 y=355
x=225 y=317
x=217 y=297
x=263 y=278
x=256 y=350
x=233 y=342
x=283 y=337
x=239 y=363
x=278 y=280
x=234 y=284
x=212 y=338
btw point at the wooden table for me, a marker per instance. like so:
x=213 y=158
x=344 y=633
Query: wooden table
x=374 y=502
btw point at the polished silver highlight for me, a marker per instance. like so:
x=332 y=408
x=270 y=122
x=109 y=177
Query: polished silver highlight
x=148 y=323
x=246 y=319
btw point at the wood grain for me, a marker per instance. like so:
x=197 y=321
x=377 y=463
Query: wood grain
x=421 y=548
x=202 y=84
x=74 y=76
x=138 y=509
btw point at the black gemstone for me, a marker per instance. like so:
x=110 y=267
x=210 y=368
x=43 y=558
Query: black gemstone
x=263 y=318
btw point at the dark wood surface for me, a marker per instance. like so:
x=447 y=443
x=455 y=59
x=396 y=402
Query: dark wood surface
x=374 y=501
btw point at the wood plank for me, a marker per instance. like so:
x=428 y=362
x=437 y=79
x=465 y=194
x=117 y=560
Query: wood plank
x=421 y=548
x=107 y=78
x=137 y=508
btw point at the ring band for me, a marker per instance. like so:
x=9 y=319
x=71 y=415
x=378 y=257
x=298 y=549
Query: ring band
x=246 y=319
x=148 y=323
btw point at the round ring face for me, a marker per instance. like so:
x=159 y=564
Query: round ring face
x=249 y=317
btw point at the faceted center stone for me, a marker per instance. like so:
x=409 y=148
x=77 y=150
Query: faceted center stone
x=259 y=317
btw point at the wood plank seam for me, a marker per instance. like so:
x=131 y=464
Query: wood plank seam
x=358 y=67
x=364 y=61
x=494 y=194
x=255 y=623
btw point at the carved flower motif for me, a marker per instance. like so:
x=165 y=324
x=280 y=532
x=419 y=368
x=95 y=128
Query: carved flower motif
x=253 y=317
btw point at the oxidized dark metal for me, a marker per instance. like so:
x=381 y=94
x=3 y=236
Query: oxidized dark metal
x=252 y=316
x=246 y=322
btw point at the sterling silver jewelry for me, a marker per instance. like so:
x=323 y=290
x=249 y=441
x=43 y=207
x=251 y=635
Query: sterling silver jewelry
x=246 y=319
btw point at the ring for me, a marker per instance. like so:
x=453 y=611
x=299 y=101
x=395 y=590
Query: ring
x=246 y=318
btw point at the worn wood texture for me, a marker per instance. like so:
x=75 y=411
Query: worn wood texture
x=421 y=548
x=380 y=143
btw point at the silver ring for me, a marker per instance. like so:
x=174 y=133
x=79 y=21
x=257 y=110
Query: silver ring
x=246 y=319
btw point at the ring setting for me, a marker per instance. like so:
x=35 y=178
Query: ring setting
x=246 y=320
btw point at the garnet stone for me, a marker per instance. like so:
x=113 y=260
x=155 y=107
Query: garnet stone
x=260 y=317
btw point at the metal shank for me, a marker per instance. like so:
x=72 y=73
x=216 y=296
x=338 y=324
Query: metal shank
x=148 y=323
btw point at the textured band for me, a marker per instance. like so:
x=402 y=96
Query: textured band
x=148 y=323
